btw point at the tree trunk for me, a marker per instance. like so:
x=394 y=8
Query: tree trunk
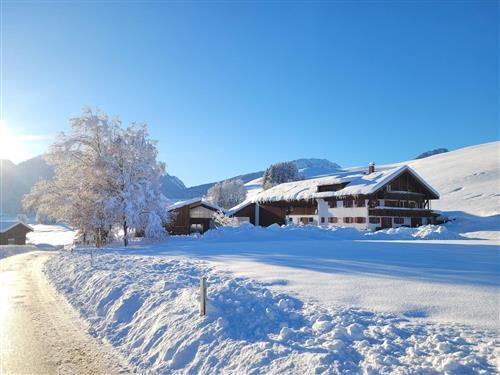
x=125 y=229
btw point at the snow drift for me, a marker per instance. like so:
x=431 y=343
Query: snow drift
x=146 y=306
x=248 y=232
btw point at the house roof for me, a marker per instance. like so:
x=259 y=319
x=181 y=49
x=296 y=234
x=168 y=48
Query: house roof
x=189 y=202
x=9 y=224
x=357 y=183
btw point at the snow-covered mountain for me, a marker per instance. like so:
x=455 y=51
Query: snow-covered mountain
x=467 y=179
x=17 y=180
x=309 y=167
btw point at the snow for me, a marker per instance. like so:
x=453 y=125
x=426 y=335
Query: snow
x=203 y=201
x=147 y=307
x=248 y=232
x=43 y=237
x=9 y=250
x=466 y=179
x=304 y=299
x=51 y=235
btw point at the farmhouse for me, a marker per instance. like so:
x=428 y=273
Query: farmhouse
x=363 y=199
x=192 y=216
x=13 y=232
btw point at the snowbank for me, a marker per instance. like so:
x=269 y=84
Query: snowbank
x=146 y=306
x=248 y=232
x=9 y=250
x=426 y=232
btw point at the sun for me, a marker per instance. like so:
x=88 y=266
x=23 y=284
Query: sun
x=11 y=147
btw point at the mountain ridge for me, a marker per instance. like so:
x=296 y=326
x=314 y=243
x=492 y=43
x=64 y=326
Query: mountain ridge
x=17 y=180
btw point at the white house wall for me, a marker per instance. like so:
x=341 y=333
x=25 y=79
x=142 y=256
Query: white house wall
x=340 y=212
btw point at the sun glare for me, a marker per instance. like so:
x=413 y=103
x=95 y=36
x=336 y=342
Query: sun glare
x=11 y=147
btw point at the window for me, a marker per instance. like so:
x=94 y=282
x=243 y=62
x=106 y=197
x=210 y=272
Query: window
x=399 y=220
x=411 y=204
x=333 y=220
x=310 y=219
x=332 y=204
x=322 y=219
x=360 y=203
x=348 y=220
x=290 y=219
x=348 y=203
x=360 y=220
x=374 y=220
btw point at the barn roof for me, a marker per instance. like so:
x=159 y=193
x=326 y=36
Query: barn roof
x=356 y=183
x=9 y=224
x=189 y=202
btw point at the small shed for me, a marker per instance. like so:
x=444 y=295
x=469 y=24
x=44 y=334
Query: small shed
x=192 y=216
x=13 y=232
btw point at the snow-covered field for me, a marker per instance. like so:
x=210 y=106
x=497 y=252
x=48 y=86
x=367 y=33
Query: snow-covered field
x=50 y=235
x=147 y=307
x=44 y=237
x=294 y=299
x=306 y=299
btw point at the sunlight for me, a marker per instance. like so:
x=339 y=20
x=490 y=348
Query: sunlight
x=11 y=147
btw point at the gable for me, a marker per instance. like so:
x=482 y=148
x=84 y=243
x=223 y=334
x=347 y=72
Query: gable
x=201 y=212
x=6 y=226
x=409 y=182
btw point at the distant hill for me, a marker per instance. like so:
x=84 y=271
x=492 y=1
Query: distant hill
x=308 y=168
x=17 y=180
x=432 y=152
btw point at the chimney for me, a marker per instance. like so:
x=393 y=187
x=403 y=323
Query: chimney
x=371 y=168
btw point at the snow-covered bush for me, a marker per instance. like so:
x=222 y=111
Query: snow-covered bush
x=105 y=177
x=228 y=193
x=223 y=220
x=279 y=173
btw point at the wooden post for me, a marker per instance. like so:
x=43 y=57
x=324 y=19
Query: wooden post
x=203 y=296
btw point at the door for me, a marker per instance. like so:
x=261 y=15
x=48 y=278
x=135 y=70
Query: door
x=416 y=221
x=386 y=222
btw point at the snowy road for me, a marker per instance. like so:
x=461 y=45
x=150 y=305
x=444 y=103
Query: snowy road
x=39 y=331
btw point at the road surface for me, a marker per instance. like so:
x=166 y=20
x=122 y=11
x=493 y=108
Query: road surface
x=39 y=332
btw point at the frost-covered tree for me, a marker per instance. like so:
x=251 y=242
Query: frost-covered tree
x=279 y=173
x=228 y=193
x=105 y=176
x=22 y=218
x=133 y=182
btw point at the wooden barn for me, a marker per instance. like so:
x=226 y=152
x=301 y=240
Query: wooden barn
x=192 y=216
x=13 y=232
x=275 y=212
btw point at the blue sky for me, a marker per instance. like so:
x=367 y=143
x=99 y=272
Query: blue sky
x=230 y=87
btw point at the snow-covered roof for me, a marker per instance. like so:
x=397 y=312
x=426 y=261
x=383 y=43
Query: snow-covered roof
x=194 y=200
x=8 y=224
x=357 y=183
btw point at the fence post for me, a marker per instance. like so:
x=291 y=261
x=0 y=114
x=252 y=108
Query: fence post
x=203 y=296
